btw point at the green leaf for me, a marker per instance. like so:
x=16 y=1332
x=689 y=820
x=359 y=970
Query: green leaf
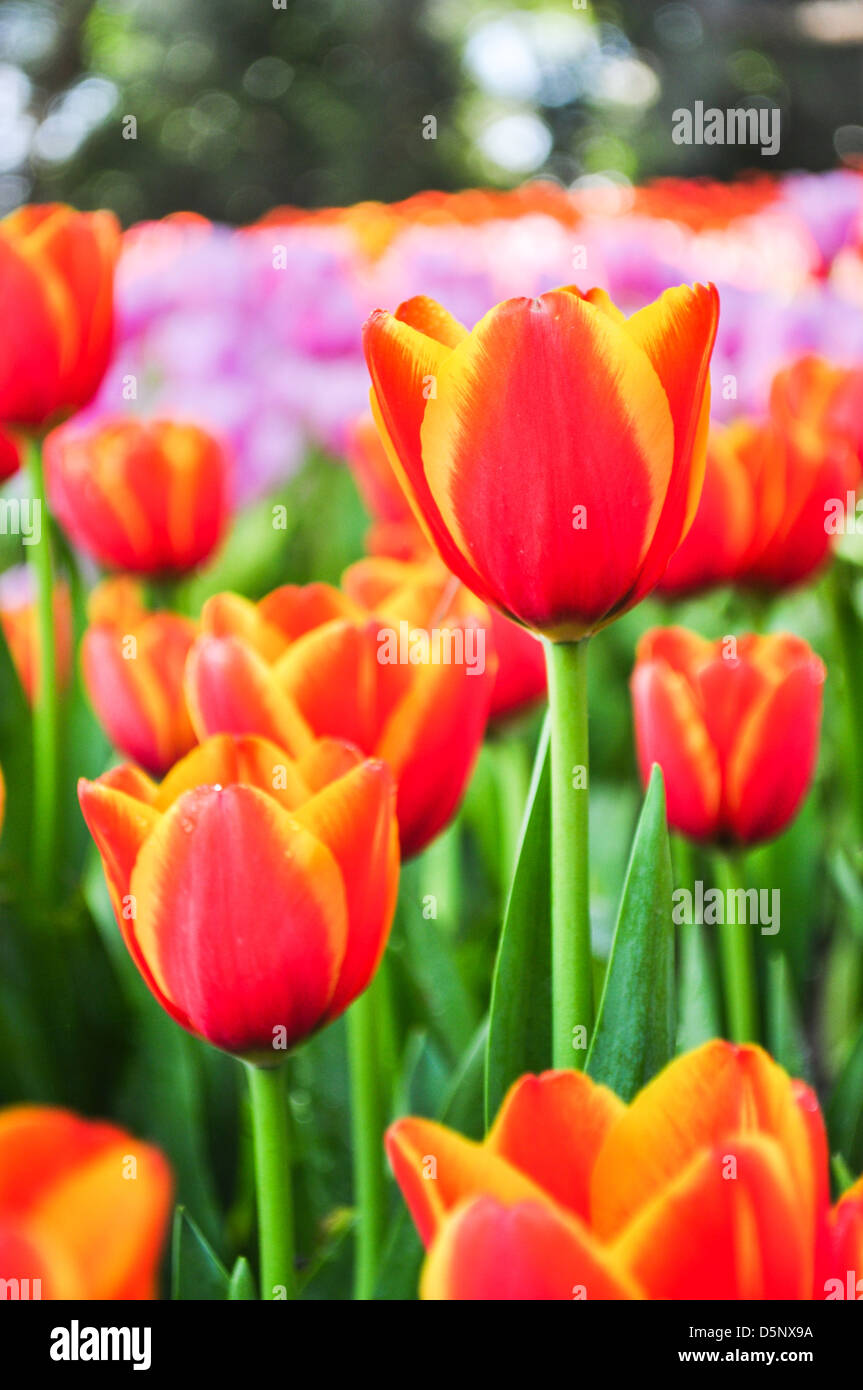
x=785 y=1037
x=196 y=1270
x=845 y=1110
x=519 y=1034
x=241 y=1287
x=635 y=1029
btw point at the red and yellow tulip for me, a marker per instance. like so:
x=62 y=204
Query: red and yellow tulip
x=555 y=454
x=734 y=725
x=133 y=663
x=57 y=291
x=762 y=519
x=254 y=890
x=83 y=1207
x=145 y=496
x=712 y=1183
x=309 y=663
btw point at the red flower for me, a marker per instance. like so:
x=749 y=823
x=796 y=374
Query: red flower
x=57 y=296
x=83 y=1207
x=733 y=724
x=143 y=496
x=254 y=891
x=309 y=662
x=712 y=1184
x=555 y=453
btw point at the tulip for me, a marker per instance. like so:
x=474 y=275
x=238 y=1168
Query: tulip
x=555 y=453
x=254 y=891
x=723 y=531
x=309 y=662
x=712 y=1184
x=133 y=663
x=57 y=292
x=19 y=621
x=148 y=497
x=10 y=454
x=83 y=1207
x=734 y=724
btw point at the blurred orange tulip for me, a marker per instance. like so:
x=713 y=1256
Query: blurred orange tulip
x=255 y=891
x=310 y=662
x=763 y=515
x=734 y=725
x=144 y=496
x=133 y=663
x=83 y=1207
x=556 y=453
x=19 y=621
x=57 y=290
x=712 y=1183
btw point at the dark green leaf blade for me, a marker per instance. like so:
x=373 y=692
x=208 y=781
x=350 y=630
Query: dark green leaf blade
x=635 y=1029
x=519 y=1034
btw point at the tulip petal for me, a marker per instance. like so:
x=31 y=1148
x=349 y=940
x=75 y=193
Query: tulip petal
x=728 y=1227
x=670 y=731
x=552 y=1127
x=527 y=1251
x=355 y=818
x=241 y=917
x=230 y=689
x=437 y=1168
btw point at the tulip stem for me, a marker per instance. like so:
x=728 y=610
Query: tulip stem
x=273 y=1181
x=45 y=738
x=737 y=958
x=571 y=954
x=367 y=1145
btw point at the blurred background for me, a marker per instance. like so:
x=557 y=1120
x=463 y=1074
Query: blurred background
x=229 y=107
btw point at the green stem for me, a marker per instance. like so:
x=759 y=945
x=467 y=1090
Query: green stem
x=367 y=1143
x=45 y=731
x=571 y=955
x=273 y=1180
x=737 y=960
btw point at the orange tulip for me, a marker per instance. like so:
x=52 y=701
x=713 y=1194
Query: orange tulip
x=734 y=724
x=149 y=497
x=19 y=621
x=57 y=295
x=83 y=1207
x=556 y=453
x=763 y=515
x=712 y=1183
x=255 y=891
x=309 y=662
x=133 y=663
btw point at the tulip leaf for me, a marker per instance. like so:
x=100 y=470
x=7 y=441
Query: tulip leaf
x=699 y=1017
x=197 y=1273
x=785 y=1038
x=241 y=1288
x=635 y=1029
x=519 y=1032
x=845 y=1109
